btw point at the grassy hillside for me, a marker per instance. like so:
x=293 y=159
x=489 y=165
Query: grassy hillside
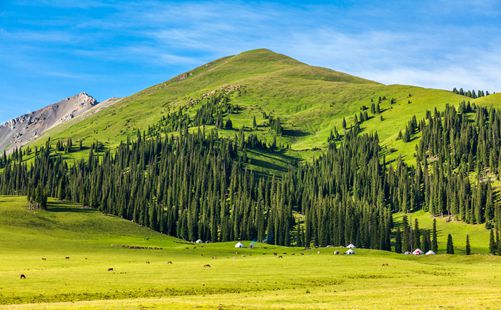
x=237 y=278
x=310 y=101
x=479 y=236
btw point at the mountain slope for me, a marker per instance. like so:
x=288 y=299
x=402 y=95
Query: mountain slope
x=26 y=128
x=274 y=82
x=310 y=101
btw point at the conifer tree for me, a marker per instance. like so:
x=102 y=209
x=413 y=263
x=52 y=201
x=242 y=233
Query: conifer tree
x=416 y=242
x=492 y=243
x=468 y=247
x=406 y=235
x=498 y=242
x=434 y=241
x=450 y=245
x=398 y=241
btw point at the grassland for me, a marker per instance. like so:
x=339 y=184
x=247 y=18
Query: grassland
x=479 y=235
x=236 y=278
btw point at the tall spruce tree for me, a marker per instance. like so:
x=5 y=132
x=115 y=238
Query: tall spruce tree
x=450 y=245
x=492 y=243
x=468 y=247
x=434 y=240
x=398 y=241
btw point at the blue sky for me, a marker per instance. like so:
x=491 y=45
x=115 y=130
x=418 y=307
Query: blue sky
x=51 y=49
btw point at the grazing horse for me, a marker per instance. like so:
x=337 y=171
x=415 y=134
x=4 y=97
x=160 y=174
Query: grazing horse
x=110 y=269
x=67 y=257
x=43 y=258
x=22 y=276
x=207 y=266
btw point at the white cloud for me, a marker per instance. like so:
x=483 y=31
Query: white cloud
x=431 y=54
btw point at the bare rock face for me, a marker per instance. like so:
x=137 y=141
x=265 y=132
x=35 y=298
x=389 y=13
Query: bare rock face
x=26 y=128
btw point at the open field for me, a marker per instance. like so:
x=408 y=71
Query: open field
x=236 y=278
x=479 y=235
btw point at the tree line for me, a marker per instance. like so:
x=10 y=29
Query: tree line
x=197 y=185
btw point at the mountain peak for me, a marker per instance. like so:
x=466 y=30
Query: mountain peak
x=264 y=55
x=82 y=98
x=28 y=127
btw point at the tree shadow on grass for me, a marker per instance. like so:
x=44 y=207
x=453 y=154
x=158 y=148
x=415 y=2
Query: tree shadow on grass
x=60 y=206
x=295 y=133
x=267 y=165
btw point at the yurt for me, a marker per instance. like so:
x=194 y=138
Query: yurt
x=417 y=252
x=349 y=252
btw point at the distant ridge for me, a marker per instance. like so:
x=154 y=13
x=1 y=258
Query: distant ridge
x=28 y=127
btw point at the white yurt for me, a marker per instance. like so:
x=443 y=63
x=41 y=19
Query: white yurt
x=349 y=252
x=351 y=246
x=417 y=252
x=199 y=241
x=430 y=252
x=239 y=245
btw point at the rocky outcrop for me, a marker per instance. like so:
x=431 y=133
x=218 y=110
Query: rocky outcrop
x=26 y=128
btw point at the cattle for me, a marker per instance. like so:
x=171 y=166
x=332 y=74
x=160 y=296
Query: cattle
x=280 y=256
x=43 y=258
x=22 y=276
x=67 y=257
x=110 y=269
x=169 y=262
x=385 y=265
x=147 y=262
x=207 y=266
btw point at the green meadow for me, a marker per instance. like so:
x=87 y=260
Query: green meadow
x=66 y=254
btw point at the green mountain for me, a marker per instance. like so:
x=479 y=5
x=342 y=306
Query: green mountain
x=275 y=111
x=309 y=101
